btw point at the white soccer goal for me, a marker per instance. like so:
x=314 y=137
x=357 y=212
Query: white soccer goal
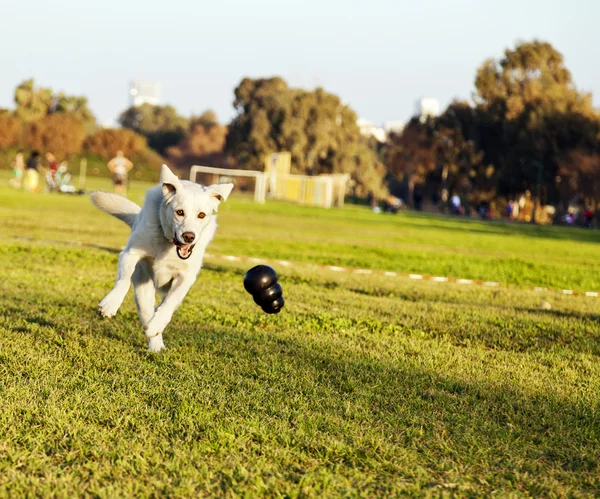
x=226 y=175
x=318 y=190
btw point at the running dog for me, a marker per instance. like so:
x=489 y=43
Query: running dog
x=164 y=253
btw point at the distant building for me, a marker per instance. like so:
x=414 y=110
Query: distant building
x=427 y=107
x=369 y=129
x=144 y=92
x=395 y=126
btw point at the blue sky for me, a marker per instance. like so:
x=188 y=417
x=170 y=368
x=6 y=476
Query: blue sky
x=378 y=55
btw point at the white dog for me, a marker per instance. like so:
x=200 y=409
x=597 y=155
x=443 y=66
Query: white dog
x=169 y=236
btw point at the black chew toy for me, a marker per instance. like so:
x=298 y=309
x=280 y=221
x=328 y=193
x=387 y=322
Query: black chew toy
x=261 y=283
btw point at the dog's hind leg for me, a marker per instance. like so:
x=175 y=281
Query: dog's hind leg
x=112 y=301
x=144 y=291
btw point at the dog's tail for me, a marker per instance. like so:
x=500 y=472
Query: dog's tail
x=117 y=206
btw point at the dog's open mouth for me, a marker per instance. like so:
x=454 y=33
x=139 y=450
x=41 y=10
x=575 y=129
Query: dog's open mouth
x=184 y=251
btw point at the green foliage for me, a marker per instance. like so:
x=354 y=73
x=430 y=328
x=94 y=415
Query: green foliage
x=32 y=103
x=207 y=119
x=526 y=110
x=314 y=126
x=531 y=110
x=363 y=386
x=161 y=125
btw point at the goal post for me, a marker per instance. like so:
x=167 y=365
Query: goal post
x=319 y=190
x=221 y=174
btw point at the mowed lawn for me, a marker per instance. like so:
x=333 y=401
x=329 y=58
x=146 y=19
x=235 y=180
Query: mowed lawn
x=362 y=386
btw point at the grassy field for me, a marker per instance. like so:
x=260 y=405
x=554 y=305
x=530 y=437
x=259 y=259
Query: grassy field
x=362 y=386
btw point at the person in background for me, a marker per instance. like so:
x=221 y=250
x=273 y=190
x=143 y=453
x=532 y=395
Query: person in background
x=456 y=206
x=588 y=217
x=18 y=165
x=120 y=167
x=32 y=176
x=52 y=164
x=509 y=210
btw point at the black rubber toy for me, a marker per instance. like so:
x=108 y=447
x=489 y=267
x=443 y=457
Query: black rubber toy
x=261 y=283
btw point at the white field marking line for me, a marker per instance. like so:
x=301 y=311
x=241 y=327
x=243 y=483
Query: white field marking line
x=386 y=273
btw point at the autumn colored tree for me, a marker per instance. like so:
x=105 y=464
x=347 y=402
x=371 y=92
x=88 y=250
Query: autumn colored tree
x=75 y=106
x=410 y=157
x=58 y=133
x=203 y=144
x=107 y=141
x=11 y=128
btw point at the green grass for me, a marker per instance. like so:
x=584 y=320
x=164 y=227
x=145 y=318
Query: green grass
x=363 y=385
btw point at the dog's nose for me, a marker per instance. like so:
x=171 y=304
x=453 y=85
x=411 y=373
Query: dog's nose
x=188 y=237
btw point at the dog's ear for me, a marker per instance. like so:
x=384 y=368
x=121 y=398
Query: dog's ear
x=220 y=192
x=170 y=182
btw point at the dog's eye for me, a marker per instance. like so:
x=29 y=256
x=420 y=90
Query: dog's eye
x=201 y=214
x=179 y=213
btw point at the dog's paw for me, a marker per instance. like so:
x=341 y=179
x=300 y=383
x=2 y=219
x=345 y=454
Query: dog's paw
x=156 y=325
x=109 y=306
x=156 y=344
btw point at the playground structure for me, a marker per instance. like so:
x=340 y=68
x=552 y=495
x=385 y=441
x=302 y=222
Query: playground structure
x=276 y=182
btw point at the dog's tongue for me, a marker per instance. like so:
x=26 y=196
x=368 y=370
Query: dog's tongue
x=183 y=250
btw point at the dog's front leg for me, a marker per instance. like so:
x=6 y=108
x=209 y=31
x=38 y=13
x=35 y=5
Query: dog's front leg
x=180 y=287
x=128 y=259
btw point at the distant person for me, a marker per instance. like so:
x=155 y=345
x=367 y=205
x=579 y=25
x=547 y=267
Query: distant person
x=418 y=199
x=455 y=205
x=509 y=209
x=120 y=167
x=18 y=165
x=32 y=176
x=52 y=164
x=588 y=217
x=51 y=173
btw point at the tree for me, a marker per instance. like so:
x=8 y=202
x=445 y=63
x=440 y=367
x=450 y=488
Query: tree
x=11 y=127
x=161 y=125
x=76 y=106
x=37 y=103
x=203 y=144
x=317 y=129
x=410 y=157
x=32 y=103
x=58 y=133
x=107 y=141
x=531 y=112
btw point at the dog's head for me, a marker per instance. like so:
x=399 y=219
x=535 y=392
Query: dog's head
x=188 y=209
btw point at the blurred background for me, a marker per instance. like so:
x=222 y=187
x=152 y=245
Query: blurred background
x=482 y=109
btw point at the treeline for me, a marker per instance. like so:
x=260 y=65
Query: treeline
x=64 y=125
x=527 y=128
